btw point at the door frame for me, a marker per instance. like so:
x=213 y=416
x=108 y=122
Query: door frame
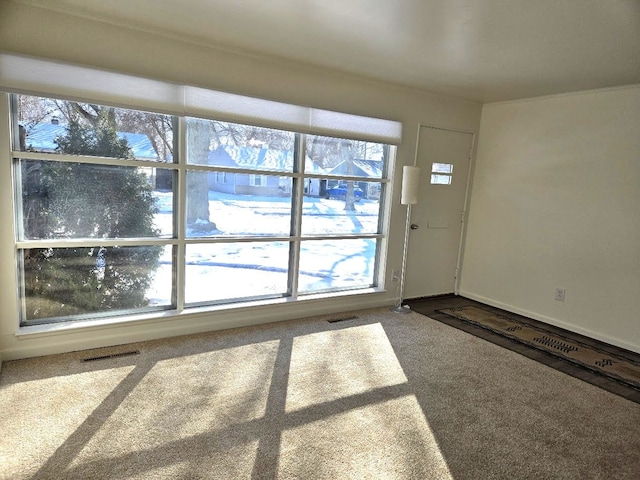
x=467 y=192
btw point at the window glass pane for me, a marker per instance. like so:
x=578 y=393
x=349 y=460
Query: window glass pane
x=327 y=265
x=232 y=145
x=341 y=157
x=345 y=207
x=76 y=200
x=61 y=126
x=60 y=282
x=442 y=168
x=236 y=207
x=231 y=271
x=440 y=179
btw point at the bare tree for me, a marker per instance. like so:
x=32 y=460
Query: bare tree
x=225 y=133
x=198 y=141
x=157 y=127
x=346 y=152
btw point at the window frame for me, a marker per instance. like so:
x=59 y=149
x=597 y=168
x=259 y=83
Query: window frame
x=221 y=177
x=179 y=241
x=438 y=175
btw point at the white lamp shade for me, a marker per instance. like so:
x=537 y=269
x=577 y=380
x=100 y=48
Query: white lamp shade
x=410 y=184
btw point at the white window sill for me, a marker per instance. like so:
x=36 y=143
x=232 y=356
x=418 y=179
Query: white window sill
x=162 y=316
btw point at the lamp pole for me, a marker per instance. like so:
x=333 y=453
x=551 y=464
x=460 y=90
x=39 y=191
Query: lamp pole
x=399 y=308
x=410 y=186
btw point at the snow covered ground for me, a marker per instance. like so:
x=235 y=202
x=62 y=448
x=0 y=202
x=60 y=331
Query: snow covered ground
x=225 y=271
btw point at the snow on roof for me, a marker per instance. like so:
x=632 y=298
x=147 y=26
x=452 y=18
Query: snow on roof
x=42 y=138
x=362 y=167
x=262 y=158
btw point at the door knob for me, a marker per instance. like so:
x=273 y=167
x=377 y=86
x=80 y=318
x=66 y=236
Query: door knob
x=414 y=226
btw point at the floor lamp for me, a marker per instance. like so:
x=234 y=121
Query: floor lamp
x=410 y=183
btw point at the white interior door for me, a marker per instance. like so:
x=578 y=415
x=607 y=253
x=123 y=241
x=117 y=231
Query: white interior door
x=434 y=245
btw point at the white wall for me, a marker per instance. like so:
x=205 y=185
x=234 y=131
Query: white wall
x=556 y=204
x=29 y=30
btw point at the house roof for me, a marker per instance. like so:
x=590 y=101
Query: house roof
x=282 y=161
x=42 y=138
x=262 y=158
x=361 y=168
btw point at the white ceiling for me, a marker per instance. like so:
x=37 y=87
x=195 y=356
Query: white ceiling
x=488 y=50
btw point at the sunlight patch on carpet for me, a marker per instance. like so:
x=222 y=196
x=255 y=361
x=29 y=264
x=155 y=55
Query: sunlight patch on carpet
x=388 y=440
x=181 y=401
x=335 y=364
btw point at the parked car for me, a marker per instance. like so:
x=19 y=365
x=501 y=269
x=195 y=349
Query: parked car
x=340 y=192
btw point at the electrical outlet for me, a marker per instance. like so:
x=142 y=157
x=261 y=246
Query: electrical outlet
x=395 y=275
x=560 y=294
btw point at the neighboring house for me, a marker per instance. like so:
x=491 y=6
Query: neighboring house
x=41 y=137
x=361 y=168
x=282 y=161
x=260 y=159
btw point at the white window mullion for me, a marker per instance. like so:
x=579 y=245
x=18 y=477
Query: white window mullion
x=181 y=215
x=296 y=224
x=62 y=157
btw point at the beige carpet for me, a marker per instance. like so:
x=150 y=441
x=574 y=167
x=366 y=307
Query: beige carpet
x=382 y=396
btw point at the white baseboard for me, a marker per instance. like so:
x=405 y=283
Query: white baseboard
x=552 y=321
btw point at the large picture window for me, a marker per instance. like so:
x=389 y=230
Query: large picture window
x=120 y=211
